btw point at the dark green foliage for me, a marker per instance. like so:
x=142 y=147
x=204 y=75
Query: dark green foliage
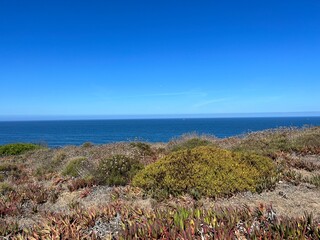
x=5 y=187
x=117 y=170
x=143 y=148
x=17 y=148
x=87 y=145
x=205 y=171
x=189 y=144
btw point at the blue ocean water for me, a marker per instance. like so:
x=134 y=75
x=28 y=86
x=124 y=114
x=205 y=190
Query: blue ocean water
x=76 y=132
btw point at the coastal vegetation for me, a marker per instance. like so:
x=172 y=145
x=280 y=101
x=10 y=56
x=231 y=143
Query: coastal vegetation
x=263 y=185
x=205 y=171
x=117 y=170
x=17 y=148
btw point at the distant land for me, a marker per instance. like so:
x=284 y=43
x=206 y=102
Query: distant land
x=155 y=116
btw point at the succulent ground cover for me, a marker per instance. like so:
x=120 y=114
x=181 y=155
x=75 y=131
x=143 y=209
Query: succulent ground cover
x=263 y=185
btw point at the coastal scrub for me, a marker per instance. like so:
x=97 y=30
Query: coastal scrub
x=205 y=171
x=17 y=148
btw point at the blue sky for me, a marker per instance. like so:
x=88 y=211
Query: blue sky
x=81 y=58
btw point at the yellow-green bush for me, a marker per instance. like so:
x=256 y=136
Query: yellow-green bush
x=205 y=171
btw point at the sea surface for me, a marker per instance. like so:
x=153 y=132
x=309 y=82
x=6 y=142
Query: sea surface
x=76 y=132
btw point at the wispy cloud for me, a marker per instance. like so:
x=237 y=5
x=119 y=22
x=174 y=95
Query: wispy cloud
x=208 y=102
x=109 y=95
x=186 y=93
x=271 y=98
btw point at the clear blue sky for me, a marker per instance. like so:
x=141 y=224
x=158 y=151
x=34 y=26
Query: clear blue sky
x=119 y=57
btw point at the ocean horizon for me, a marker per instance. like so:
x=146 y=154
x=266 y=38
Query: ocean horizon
x=12 y=118
x=58 y=133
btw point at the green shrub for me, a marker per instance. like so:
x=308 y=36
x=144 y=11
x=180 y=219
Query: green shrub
x=87 y=145
x=188 y=141
x=118 y=170
x=205 y=171
x=5 y=188
x=17 y=148
x=78 y=167
x=143 y=148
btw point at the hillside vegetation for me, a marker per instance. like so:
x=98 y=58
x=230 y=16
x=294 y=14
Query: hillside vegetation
x=17 y=148
x=194 y=187
x=205 y=171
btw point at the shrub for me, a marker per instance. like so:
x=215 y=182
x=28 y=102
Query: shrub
x=50 y=166
x=9 y=169
x=36 y=193
x=87 y=145
x=8 y=228
x=80 y=183
x=189 y=141
x=267 y=143
x=78 y=167
x=8 y=208
x=117 y=170
x=315 y=180
x=308 y=142
x=143 y=148
x=17 y=148
x=205 y=171
x=271 y=142
x=5 y=188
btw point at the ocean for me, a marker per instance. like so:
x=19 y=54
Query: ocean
x=76 y=132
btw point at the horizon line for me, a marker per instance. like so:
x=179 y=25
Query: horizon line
x=5 y=118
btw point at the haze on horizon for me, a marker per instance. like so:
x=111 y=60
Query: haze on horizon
x=144 y=58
